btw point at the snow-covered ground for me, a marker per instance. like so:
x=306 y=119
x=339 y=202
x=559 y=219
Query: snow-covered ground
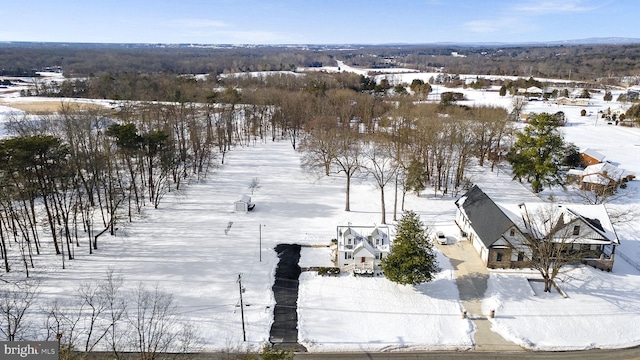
x=183 y=247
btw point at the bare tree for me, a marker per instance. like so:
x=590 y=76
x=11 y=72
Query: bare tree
x=254 y=185
x=319 y=144
x=518 y=103
x=488 y=128
x=382 y=166
x=15 y=301
x=550 y=241
x=61 y=325
x=348 y=159
x=624 y=215
x=116 y=306
x=599 y=195
x=155 y=325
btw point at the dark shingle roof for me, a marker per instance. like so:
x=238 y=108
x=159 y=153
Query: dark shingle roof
x=487 y=220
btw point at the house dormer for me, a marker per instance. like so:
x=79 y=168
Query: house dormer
x=349 y=238
x=379 y=237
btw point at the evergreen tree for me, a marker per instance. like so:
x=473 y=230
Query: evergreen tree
x=503 y=90
x=416 y=177
x=412 y=260
x=633 y=112
x=538 y=152
x=585 y=94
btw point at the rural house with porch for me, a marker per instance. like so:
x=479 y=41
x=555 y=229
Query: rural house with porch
x=603 y=178
x=499 y=232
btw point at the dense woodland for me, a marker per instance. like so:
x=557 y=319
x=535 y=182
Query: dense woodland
x=600 y=63
x=69 y=178
x=605 y=63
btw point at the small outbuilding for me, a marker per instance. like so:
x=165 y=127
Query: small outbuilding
x=244 y=204
x=591 y=157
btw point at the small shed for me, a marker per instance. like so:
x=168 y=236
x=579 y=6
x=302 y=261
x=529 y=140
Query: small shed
x=591 y=157
x=244 y=204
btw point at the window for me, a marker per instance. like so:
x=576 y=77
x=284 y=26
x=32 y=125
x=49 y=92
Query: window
x=576 y=230
x=349 y=241
x=347 y=255
x=377 y=241
x=521 y=256
x=512 y=232
x=499 y=256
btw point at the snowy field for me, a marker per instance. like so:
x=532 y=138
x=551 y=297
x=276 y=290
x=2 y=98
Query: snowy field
x=183 y=247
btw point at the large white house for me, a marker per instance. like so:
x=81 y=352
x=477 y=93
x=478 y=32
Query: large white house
x=362 y=248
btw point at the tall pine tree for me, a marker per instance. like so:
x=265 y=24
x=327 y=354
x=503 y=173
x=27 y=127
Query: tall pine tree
x=538 y=153
x=412 y=260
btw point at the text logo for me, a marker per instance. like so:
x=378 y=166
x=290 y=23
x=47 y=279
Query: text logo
x=29 y=350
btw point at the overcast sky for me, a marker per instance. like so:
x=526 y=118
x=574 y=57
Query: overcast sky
x=316 y=21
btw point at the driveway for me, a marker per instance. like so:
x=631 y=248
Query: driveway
x=471 y=277
x=284 y=330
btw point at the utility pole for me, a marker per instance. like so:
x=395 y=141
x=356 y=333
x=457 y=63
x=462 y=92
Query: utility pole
x=244 y=334
x=62 y=252
x=260 y=244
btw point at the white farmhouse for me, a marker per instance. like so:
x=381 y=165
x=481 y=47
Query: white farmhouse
x=361 y=248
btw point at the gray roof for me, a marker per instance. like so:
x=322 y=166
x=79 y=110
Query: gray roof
x=594 y=154
x=486 y=218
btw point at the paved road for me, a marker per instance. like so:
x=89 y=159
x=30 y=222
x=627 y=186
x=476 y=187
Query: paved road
x=625 y=354
x=284 y=330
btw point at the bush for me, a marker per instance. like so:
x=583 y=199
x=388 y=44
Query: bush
x=328 y=271
x=269 y=353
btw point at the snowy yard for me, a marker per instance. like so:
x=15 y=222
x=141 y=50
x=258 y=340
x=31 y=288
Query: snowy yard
x=348 y=313
x=183 y=247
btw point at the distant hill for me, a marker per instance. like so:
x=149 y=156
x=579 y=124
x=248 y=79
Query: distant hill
x=587 y=41
x=599 y=41
x=607 y=59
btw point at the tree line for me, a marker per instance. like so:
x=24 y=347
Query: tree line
x=68 y=178
x=607 y=64
x=407 y=144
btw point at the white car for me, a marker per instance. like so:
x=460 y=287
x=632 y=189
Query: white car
x=440 y=238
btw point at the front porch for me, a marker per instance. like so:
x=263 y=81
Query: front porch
x=367 y=268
